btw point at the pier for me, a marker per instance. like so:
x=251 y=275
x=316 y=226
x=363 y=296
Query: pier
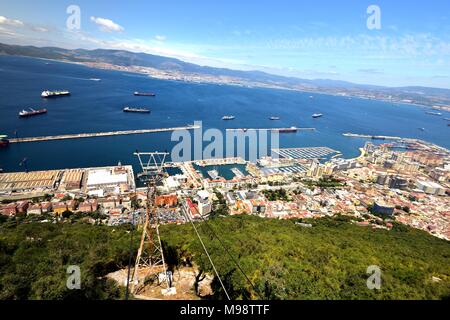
x=99 y=134
x=366 y=136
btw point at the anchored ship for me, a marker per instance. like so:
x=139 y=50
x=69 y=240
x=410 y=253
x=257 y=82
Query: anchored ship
x=4 y=142
x=274 y=118
x=317 y=115
x=145 y=94
x=32 y=112
x=51 y=94
x=228 y=117
x=139 y=110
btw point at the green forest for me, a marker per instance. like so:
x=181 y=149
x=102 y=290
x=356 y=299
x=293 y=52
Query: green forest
x=281 y=259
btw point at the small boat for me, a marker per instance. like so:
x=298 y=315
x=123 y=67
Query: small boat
x=144 y=94
x=138 y=110
x=421 y=129
x=317 y=115
x=274 y=118
x=228 y=117
x=434 y=113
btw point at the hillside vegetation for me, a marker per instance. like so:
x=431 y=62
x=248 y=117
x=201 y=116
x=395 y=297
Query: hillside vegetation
x=283 y=260
x=328 y=261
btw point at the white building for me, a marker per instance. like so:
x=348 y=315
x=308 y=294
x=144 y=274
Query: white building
x=430 y=187
x=109 y=180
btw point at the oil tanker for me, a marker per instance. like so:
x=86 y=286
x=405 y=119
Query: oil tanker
x=32 y=112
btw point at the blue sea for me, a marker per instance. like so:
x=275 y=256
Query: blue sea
x=96 y=106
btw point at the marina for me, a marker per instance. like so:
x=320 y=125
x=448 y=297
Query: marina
x=214 y=174
x=298 y=168
x=237 y=173
x=304 y=153
x=99 y=134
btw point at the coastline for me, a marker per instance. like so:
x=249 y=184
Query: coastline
x=239 y=82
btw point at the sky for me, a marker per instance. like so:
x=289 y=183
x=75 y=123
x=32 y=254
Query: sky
x=314 y=39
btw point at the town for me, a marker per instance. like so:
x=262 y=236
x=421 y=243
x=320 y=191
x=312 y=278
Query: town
x=404 y=182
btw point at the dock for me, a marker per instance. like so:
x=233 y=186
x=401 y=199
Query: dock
x=99 y=134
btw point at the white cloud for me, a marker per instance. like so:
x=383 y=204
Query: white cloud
x=10 y=22
x=7 y=33
x=107 y=25
x=401 y=47
x=39 y=29
x=160 y=38
x=371 y=71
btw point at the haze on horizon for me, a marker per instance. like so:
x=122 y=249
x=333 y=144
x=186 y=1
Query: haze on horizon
x=324 y=39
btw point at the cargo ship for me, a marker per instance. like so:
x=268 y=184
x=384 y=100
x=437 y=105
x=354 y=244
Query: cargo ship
x=138 y=110
x=274 y=118
x=144 y=94
x=51 y=94
x=32 y=112
x=4 y=142
x=228 y=117
x=317 y=115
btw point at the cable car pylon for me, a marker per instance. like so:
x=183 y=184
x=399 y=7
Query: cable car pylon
x=150 y=262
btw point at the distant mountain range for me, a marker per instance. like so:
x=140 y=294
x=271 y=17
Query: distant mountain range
x=418 y=95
